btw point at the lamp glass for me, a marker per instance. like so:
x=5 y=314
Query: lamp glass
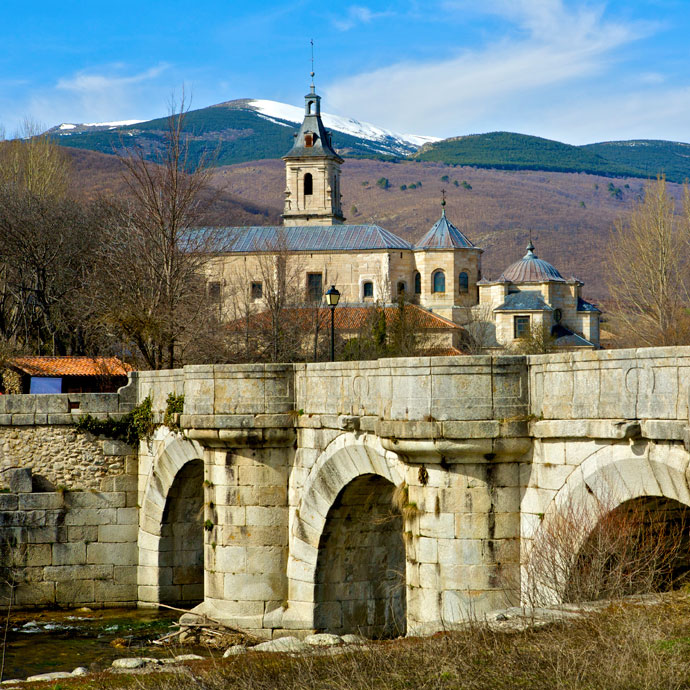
x=332 y=296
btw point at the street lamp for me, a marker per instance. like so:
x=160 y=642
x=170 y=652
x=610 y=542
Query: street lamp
x=332 y=299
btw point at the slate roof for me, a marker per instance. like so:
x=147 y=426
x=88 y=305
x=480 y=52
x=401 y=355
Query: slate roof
x=567 y=338
x=349 y=318
x=71 y=366
x=528 y=300
x=531 y=269
x=583 y=305
x=303 y=238
x=312 y=123
x=444 y=235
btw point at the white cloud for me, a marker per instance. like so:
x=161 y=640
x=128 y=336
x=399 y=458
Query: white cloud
x=110 y=93
x=559 y=46
x=356 y=14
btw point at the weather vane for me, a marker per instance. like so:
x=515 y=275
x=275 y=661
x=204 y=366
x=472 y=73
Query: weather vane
x=312 y=61
x=443 y=199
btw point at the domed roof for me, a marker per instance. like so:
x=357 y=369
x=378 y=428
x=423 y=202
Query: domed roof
x=531 y=269
x=444 y=235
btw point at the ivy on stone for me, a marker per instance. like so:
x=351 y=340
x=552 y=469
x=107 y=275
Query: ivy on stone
x=137 y=425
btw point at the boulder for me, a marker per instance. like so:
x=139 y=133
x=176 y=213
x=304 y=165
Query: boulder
x=282 y=644
x=323 y=639
x=234 y=650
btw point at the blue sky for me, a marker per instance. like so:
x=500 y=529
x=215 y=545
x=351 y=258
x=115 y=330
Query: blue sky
x=563 y=69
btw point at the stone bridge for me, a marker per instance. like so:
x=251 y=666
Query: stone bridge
x=389 y=497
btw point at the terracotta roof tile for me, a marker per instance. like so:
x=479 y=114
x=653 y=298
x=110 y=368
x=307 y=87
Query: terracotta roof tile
x=71 y=366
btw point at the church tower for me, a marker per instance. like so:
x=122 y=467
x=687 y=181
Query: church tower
x=312 y=170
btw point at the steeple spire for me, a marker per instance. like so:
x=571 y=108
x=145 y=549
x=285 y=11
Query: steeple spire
x=312 y=168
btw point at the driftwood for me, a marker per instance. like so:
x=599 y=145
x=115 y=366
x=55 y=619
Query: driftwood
x=206 y=625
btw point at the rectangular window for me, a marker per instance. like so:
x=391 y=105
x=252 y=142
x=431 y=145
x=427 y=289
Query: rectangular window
x=214 y=291
x=314 y=287
x=257 y=290
x=520 y=326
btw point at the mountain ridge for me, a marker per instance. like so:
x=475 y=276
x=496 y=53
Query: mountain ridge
x=248 y=129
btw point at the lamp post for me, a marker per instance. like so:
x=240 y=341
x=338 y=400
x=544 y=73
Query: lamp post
x=332 y=299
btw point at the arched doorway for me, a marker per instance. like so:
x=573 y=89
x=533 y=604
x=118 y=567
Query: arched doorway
x=181 y=548
x=360 y=570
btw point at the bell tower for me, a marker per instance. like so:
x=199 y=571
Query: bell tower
x=312 y=171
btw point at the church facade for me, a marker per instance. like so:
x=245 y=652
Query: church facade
x=371 y=265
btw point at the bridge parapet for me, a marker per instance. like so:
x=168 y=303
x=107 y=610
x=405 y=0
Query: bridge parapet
x=648 y=383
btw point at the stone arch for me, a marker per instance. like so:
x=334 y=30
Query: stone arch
x=347 y=458
x=174 y=454
x=613 y=476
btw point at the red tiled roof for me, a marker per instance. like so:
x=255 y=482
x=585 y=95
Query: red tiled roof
x=71 y=366
x=347 y=318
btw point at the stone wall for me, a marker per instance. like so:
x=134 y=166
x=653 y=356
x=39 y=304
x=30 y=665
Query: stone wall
x=70 y=548
x=36 y=432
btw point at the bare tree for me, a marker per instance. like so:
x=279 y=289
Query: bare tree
x=152 y=282
x=32 y=162
x=585 y=551
x=480 y=330
x=648 y=270
x=281 y=273
x=536 y=341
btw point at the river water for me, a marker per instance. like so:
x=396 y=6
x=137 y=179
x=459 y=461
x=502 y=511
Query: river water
x=46 y=641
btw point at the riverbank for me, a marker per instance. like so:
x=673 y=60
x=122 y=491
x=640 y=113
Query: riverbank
x=633 y=644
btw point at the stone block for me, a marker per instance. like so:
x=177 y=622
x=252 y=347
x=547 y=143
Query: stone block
x=19 y=404
x=9 y=502
x=47 y=501
x=39 y=554
x=439 y=526
x=272 y=516
x=20 y=480
x=231 y=559
x=120 y=554
x=266 y=559
x=118 y=533
x=23 y=419
x=96 y=499
x=127 y=516
x=426 y=550
x=262 y=496
x=67 y=573
x=75 y=592
x=82 y=533
x=460 y=551
x=250 y=587
x=69 y=554
x=60 y=419
x=472 y=525
x=117 y=448
x=35 y=594
x=111 y=592
x=92 y=516
x=44 y=535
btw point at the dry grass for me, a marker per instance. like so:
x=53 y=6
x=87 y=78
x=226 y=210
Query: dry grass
x=627 y=645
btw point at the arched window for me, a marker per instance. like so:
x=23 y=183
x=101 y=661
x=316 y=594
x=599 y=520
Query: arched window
x=439 y=281
x=417 y=284
x=463 y=282
x=308 y=185
x=368 y=289
x=402 y=288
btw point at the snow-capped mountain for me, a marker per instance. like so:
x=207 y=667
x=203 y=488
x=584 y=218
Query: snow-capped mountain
x=364 y=130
